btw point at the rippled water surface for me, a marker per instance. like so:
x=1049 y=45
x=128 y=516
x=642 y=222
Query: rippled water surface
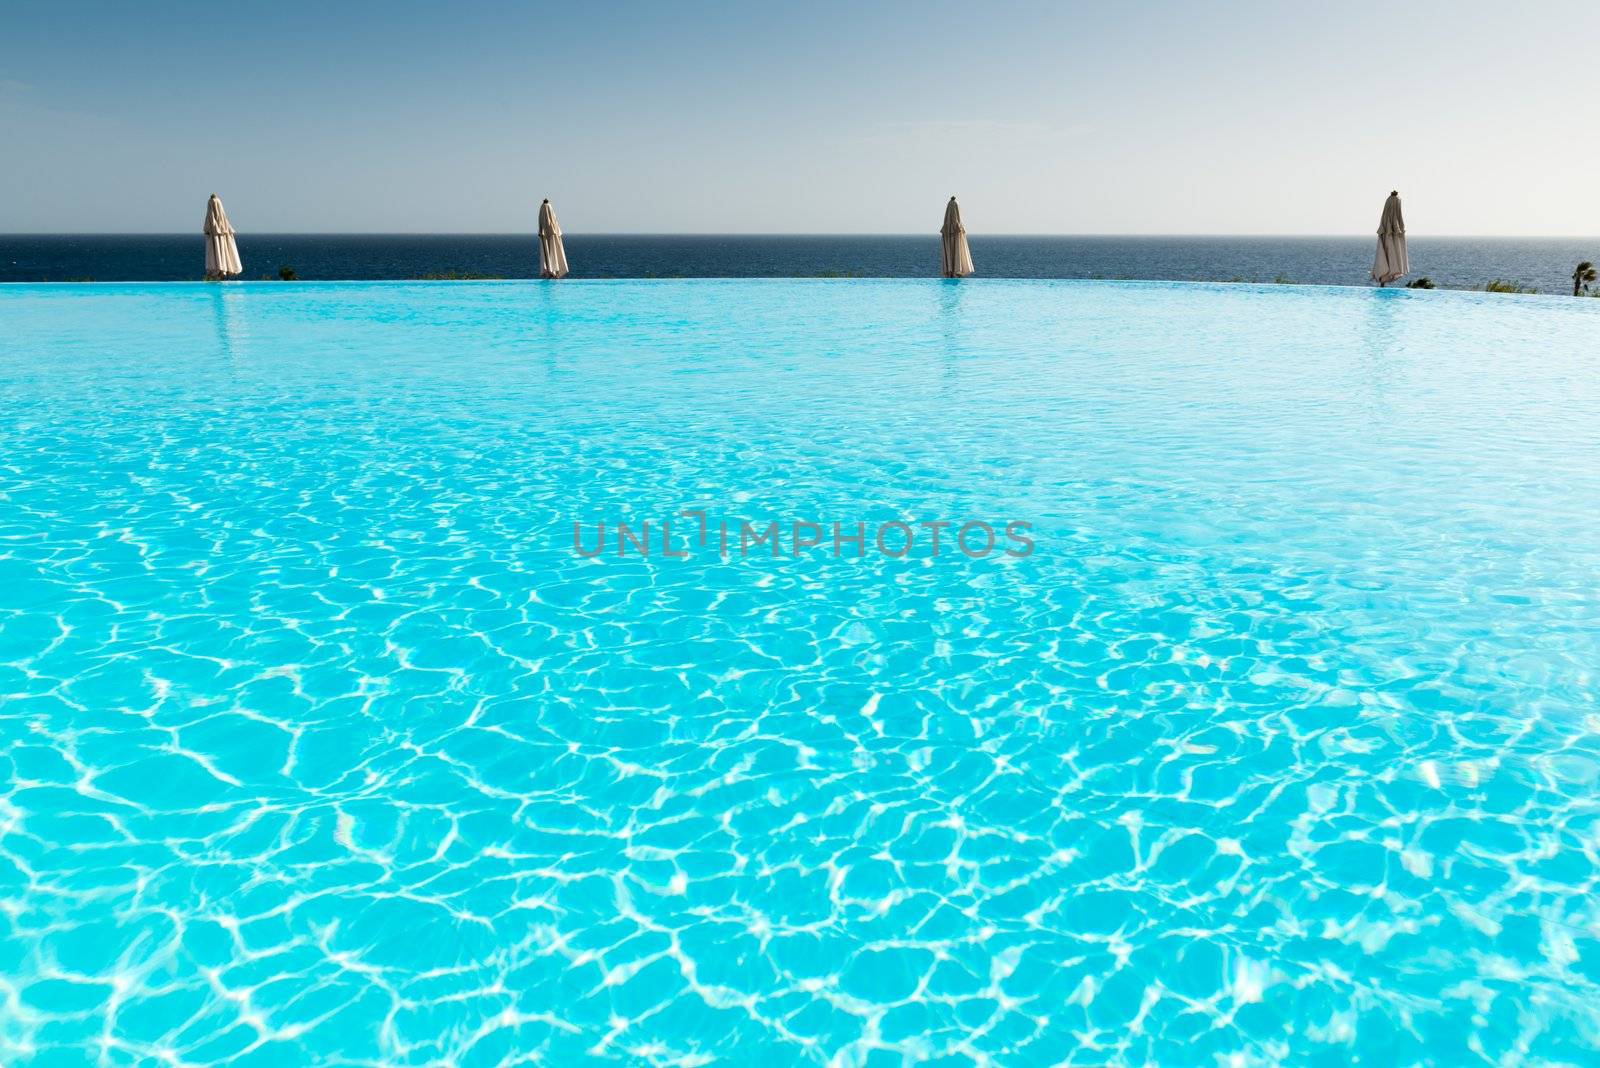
x=320 y=744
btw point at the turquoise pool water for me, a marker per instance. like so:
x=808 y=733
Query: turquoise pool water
x=322 y=744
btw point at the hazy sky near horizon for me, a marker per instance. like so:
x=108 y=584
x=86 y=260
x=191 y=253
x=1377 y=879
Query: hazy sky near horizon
x=1149 y=118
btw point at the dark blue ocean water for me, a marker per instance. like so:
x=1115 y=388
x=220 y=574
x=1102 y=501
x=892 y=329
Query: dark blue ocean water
x=1467 y=263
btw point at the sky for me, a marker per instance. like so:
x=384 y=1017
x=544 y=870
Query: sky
x=1045 y=118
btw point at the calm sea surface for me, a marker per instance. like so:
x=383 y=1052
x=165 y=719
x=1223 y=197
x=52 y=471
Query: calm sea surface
x=1465 y=263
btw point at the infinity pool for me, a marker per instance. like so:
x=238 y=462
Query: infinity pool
x=328 y=737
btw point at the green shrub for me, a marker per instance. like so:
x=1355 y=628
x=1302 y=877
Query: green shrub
x=1421 y=283
x=1583 y=276
x=1500 y=285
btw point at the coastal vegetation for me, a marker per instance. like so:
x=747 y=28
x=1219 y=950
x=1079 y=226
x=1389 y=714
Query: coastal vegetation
x=458 y=276
x=1583 y=276
x=1500 y=285
x=1421 y=283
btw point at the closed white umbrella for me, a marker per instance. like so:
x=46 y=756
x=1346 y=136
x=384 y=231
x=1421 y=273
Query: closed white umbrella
x=955 y=259
x=552 y=254
x=1391 y=262
x=222 y=253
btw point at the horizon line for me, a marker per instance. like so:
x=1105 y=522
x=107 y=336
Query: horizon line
x=755 y=233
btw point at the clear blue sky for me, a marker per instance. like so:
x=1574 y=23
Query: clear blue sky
x=815 y=117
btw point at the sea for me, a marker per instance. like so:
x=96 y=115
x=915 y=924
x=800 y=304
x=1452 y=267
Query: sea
x=1542 y=264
